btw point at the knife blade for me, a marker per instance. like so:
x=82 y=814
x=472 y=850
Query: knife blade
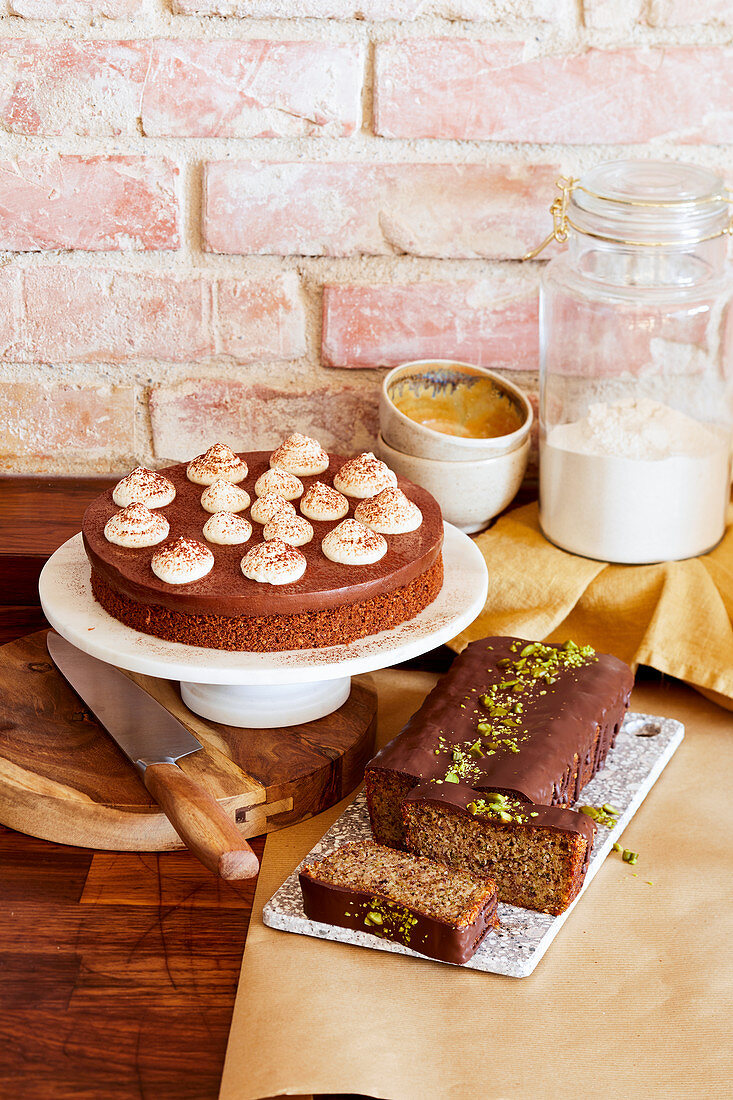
x=153 y=740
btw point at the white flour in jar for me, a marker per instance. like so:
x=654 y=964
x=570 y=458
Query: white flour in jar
x=634 y=481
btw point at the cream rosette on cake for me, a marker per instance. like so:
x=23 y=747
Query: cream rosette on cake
x=364 y=476
x=300 y=455
x=143 y=486
x=219 y=463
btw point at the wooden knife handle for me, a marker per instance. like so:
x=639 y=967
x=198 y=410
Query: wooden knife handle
x=201 y=823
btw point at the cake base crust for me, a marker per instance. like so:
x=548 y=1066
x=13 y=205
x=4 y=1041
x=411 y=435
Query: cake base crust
x=270 y=633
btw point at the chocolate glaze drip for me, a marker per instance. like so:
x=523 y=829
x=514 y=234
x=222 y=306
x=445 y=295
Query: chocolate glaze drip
x=569 y=730
x=330 y=904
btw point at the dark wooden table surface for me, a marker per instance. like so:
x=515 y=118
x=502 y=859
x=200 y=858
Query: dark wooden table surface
x=118 y=971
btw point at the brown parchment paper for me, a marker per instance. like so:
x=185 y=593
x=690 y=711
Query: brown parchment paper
x=633 y=999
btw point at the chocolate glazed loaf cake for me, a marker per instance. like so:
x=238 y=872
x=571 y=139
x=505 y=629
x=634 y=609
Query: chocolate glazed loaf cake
x=523 y=720
x=433 y=909
x=537 y=855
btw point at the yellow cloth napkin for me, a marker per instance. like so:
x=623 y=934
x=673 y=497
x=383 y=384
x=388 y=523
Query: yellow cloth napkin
x=675 y=616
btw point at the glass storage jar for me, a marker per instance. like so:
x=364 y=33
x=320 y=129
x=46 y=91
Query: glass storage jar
x=636 y=337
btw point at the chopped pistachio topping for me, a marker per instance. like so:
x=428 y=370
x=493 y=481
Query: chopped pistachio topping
x=502 y=730
x=500 y=806
x=548 y=660
x=534 y=665
x=463 y=765
x=629 y=857
x=602 y=815
x=384 y=918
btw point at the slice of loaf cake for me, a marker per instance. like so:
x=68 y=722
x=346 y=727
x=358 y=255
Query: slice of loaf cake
x=524 y=719
x=436 y=910
x=537 y=855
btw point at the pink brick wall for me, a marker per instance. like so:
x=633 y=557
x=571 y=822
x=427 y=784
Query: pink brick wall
x=478 y=322
x=449 y=211
x=224 y=218
x=91 y=203
x=491 y=91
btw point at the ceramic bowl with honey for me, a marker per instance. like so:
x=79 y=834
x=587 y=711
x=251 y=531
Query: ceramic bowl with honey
x=448 y=411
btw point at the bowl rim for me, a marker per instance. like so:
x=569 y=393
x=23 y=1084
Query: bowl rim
x=463 y=442
x=387 y=447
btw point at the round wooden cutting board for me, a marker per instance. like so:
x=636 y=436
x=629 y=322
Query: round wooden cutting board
x=62 y=778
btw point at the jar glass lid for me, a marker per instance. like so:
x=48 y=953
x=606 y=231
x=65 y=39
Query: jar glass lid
x=649 y=202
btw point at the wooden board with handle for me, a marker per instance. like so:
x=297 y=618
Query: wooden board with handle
x=62 y=778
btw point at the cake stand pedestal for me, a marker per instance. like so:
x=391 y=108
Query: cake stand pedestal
x=266 y=706
x=260 y=690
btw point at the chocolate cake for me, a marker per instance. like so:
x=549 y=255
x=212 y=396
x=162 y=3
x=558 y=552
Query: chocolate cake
x=262 y=575
x=522 y=720
x=537 y=855
x=433 y=909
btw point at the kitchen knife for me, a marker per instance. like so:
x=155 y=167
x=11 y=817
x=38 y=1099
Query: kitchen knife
x=154 y=740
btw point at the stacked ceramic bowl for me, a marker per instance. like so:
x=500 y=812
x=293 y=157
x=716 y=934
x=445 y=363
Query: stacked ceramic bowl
x=461 y=432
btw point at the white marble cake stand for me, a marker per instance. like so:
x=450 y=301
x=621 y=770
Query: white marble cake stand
x=259 y=690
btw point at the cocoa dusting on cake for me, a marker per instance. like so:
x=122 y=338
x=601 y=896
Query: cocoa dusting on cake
x=364 y=476
x=182 y=561
x=136 y=526
x=218 y=463
x=300 y=455
x=185 y=551
x=273 y=562
x=280 y=482
x=289 y=528
x=223 y=496
x=268 y=506
x=227 y=529
x=389 y=512
x=324 y=503
x=351 y=543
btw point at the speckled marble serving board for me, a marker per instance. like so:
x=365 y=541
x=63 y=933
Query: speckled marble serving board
x=644 y=745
